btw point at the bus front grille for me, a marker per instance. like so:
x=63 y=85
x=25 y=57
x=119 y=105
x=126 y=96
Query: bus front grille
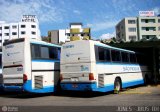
x=100 y=80
x=38 y=82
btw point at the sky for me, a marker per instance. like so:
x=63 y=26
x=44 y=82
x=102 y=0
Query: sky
x=100 y=15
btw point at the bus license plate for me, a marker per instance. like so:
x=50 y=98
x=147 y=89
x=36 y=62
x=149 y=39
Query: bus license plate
x=74 y=85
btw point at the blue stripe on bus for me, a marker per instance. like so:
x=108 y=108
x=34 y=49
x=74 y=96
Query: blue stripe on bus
x=39 y=60
x=46 y=89
x=106 y=88
x=28 y=88
x=48 y=44
x=86 y=87
x=93 y=86
x=132 y=83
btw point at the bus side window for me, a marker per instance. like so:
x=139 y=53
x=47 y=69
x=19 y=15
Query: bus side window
x=35 y=51
x=44 y=52
x=59 y=54
x=115 y=56
x=0 y=60
x=133 y=58
x=101 y=54
x=125 y=57
x=53 y=53
x=107 y=55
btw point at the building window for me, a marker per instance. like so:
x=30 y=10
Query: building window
x=33 y=26
x=0 y=28
x=6 y=40
x=14 y=33
x=149 y=28
x=6 y=34
x=143 y=28
x=68 y=34
x=0 y=34
x=6 y=27
x=133 y=37
x=131 y=21
x=23 y=26
x=159 y=28
x=82 y=35
x=148 y=20
x=121 y=27
x=132 y=29
x=23 y=32
x=148 y=36
x=152 y=28
x=33 y=33
x=158 y=20
x=14 y=27
x=151 y=21
x=122 y=34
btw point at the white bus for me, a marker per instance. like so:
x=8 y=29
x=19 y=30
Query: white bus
x=88 y=65
x=30 y=65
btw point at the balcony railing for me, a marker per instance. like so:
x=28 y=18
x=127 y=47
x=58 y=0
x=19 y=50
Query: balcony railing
x=86 y=37
x=74 y=30
x=73 y=38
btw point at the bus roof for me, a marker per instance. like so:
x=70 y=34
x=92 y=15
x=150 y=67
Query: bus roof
x=31 y=41
x=103 y=45
x=107 y=46
x=43 y=43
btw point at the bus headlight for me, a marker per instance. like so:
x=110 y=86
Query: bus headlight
x=24 y=78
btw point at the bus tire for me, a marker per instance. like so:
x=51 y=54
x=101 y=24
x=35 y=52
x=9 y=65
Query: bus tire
x=117 y=85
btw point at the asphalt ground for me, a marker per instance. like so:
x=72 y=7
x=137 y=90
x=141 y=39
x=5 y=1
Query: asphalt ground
x=138 y=99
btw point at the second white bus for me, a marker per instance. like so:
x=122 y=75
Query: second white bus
x=92 y=66
x=30 y=65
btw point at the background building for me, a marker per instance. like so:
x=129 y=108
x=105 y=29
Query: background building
x=75 y=32
x=137 y=28
x=148 y=27
x=27 y=28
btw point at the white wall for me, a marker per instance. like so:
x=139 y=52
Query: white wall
x=76 y=26
x=15 y=30
x=28 y=30
x=62 y=35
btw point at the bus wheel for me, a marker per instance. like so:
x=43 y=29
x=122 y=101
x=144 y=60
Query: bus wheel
x=117 y=86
